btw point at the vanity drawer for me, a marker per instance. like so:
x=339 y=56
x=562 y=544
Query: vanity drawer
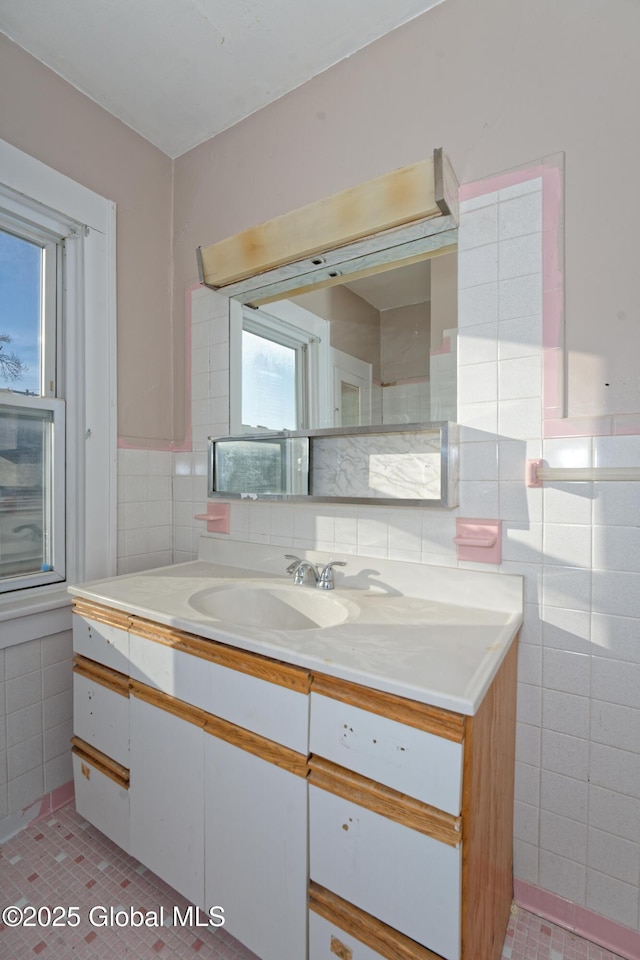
x=100 y=640
x=339 y=930
x=101 y=792
x=266 y=697
x=328 y=942
x=410 y=881
x=101 y=709
x=414 y=761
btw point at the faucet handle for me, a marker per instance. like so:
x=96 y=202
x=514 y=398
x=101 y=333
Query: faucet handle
x=291 y=569
x=325 y=580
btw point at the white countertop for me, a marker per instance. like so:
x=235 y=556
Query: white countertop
x=405 y=634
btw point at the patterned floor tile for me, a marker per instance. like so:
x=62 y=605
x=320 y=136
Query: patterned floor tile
x=65 y=862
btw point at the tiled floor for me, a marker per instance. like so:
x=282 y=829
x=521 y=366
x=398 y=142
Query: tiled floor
x=64 y=861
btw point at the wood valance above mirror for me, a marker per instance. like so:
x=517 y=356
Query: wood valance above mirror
x=403 y=215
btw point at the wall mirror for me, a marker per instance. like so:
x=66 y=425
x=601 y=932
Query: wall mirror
x=343 y=320
x=380 y=349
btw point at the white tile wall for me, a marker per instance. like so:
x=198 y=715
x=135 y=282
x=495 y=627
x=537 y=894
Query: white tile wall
x=576 y=545
x=145 y=509
x=35 y=721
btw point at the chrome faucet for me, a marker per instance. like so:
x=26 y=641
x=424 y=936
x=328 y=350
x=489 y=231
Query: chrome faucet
x=304 y=567
x=298 y=569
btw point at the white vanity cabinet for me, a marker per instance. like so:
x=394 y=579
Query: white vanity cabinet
x=327 y=818
x=100 y=745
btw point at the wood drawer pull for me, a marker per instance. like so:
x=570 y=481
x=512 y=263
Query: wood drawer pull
x=385 y=801
x=105 y=676
x=370 y=931
x=95 y=758
x=441 y=723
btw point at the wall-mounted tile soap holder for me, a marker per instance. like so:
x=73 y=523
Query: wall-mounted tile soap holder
x=478 y=540
x=218 y=518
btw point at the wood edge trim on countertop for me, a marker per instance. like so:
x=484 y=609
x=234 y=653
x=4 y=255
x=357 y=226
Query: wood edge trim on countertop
x=368 y=930
x=386 y=801
x=259 y=746
x=297 y=679
x=105 y=676
x=164 y=701
x=95 y=611
x=96 y=758
x=441 y=723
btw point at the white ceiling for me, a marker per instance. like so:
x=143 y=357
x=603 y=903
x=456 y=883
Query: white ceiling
x=181 y=71
x=396 y=287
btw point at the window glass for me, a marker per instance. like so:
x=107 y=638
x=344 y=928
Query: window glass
x=268 y=383
x=21 y=263
x=26 y=484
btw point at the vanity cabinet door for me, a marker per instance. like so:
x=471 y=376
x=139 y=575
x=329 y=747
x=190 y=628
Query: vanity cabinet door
x=256 y=841
x=167 y=796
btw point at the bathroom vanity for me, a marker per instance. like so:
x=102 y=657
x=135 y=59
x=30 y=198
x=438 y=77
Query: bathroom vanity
x=343 y=790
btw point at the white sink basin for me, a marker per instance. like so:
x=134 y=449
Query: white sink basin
x=280 y=608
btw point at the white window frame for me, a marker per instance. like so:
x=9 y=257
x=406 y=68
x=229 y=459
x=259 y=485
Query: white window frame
x=89 y=362
x=287 y=323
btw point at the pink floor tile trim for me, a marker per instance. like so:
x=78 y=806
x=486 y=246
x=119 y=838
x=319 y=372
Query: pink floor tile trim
x=530 y=937
x=610 y=935
x=64 y=861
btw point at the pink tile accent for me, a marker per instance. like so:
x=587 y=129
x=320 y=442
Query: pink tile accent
x=531 y=473
x=478 y=540
x=445 y=348
x=53 y=801
x=218 y=517
x=623 y=941
x=469 y=191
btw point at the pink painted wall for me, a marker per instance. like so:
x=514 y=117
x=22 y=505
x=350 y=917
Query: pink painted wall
x=498 y=84
x=46 y=117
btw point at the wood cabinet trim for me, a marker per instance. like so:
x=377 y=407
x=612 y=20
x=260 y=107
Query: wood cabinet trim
x=106 y=765
x=106 y=615
x=386 y=801
x=253 y=743
x=259 y=746
x=98 y=673
x=370 y=931
x=164 y=701
x=292 y=678
x=441 y=723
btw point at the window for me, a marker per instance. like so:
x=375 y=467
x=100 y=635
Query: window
x=32 y=434
x=279 y=359
x=57 y=386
